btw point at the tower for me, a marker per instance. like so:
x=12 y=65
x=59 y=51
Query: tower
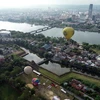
x=90 y=11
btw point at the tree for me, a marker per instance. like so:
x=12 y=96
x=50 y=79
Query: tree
x=19 y=83
x=25 y=95
x=2 y=77
x=7 y=73
x=97 y=97
x=11 y=97
x=32 y=91
x=1 y=52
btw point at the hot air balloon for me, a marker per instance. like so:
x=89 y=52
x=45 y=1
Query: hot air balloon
x=35 y=81
x=28 y=69
x=68 y=32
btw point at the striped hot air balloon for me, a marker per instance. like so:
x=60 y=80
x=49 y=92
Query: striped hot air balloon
x=35 y=81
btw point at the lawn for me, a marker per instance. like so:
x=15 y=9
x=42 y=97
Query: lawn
x=18 y=52
x=28 y=79
x=53 y=76
x=96 y=50
x=8 y=93
x=84 y=78
x=68 y=76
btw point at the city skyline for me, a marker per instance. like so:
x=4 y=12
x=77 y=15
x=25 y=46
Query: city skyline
x=90 y=11
x=29 y=3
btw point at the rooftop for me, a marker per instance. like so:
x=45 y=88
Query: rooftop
x=5 y=31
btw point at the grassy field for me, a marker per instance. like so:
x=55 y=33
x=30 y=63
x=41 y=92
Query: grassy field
x=18 y=52
x=70 y=75
x=52 y=76
x=96 y=50
x=8 y=93
x=44 y=89
x=84 y=78
x=28 y=78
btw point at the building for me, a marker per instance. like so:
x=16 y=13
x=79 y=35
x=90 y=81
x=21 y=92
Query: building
x=90 y=11
x=78 y=85
x=98 y=59
x=94 y=18
x=1 y=58
x=47 y=46
x=5 y=34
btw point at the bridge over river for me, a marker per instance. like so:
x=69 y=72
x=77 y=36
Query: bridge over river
x=45 y=28
x=36 y=31
x=52 y=25
x=41 y=30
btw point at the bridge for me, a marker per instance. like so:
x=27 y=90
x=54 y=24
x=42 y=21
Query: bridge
x=52 y=25
x=36 y=31
x=43 y=61
x=41 y=30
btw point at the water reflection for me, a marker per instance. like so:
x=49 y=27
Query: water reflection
x=55 y=68
x=32 y=56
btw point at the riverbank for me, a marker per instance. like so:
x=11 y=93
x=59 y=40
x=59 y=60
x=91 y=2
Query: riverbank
x=59 y=25
x=79 y=36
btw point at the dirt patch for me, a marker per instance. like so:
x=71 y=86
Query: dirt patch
x=30 y=86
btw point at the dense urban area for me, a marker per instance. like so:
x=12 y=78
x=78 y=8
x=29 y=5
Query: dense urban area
x=79 y=75
x=80 y=20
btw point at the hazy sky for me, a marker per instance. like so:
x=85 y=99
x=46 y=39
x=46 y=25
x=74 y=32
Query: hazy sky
x=27 y=3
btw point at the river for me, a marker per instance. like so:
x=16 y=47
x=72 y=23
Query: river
x=79 y=36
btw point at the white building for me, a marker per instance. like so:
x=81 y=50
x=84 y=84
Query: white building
x=5 y=33
x=1 y=58
x=98 y=59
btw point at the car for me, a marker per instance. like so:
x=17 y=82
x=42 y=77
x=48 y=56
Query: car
x=52 y=84
x=63 y=91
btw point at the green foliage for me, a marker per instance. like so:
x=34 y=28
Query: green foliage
x=97 y=97
x=90 y=47
x=8 y=93
x=32 y=91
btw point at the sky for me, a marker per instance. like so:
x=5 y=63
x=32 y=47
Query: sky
x=27 y=3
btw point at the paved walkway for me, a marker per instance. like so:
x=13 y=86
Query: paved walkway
x=77 y=97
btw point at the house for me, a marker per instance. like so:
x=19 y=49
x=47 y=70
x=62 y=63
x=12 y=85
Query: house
x=47 y=46
x=56 y=58
x=78 y=85
x=1 y=58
